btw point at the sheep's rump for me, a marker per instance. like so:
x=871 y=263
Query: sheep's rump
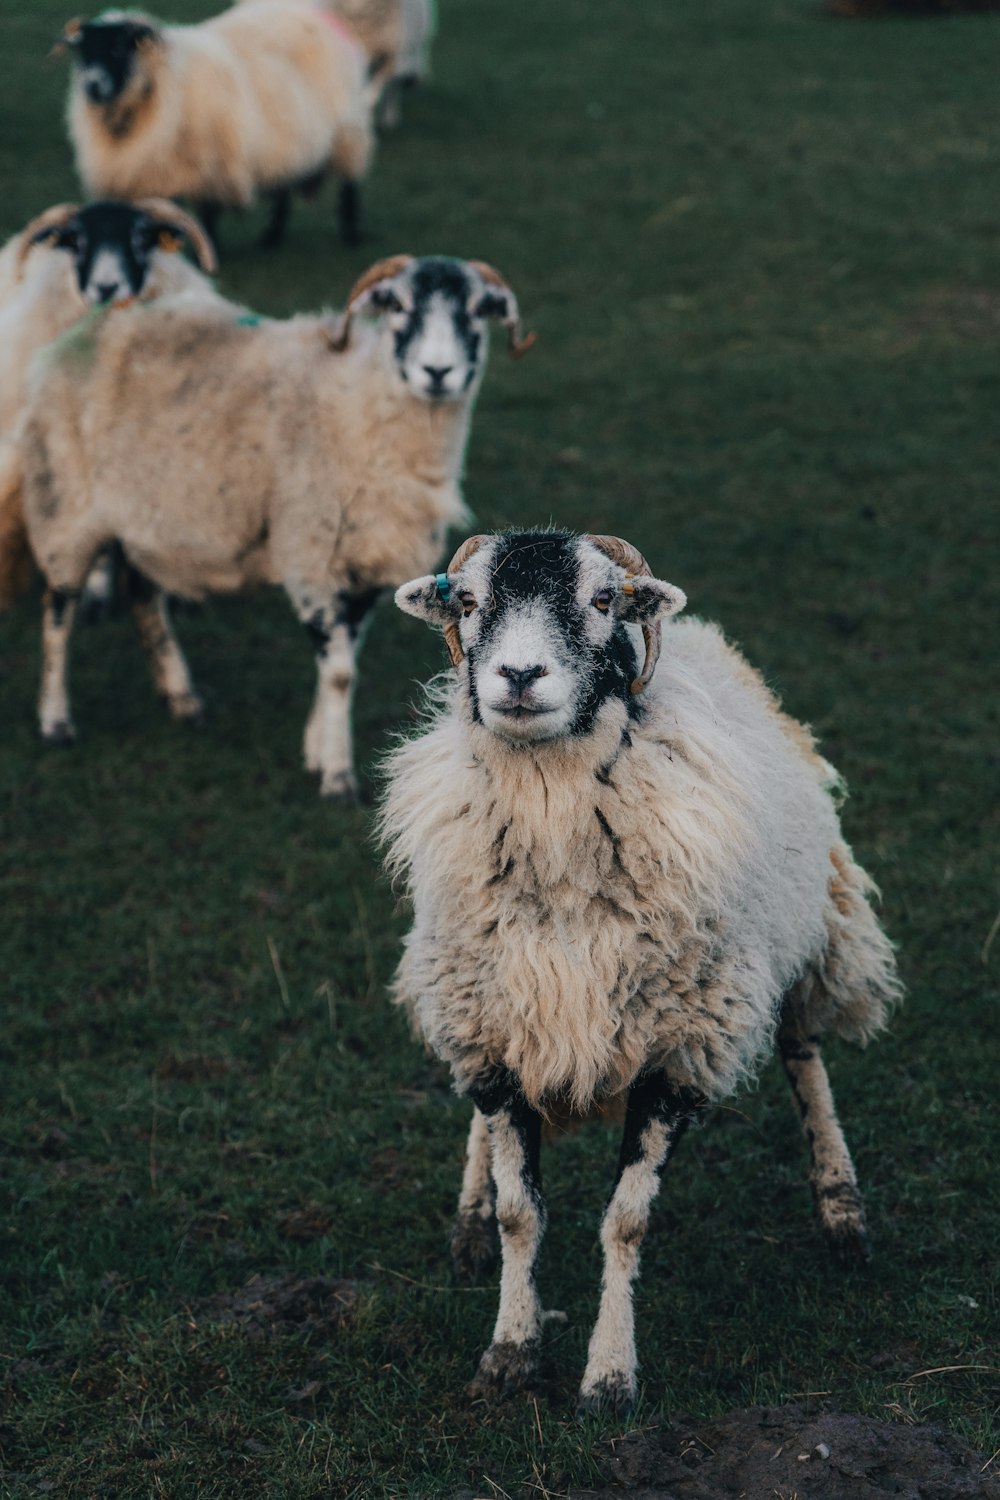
x=645 y=896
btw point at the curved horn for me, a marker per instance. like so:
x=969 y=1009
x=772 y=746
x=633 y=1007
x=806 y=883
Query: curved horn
x=451 y=636
x=339 y=336
x=636 y=566
x=41 y=228
x=518 y=343
x=69 y=37
x=194 y=233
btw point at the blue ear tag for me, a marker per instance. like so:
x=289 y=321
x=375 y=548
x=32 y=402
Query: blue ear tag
x=443 y=585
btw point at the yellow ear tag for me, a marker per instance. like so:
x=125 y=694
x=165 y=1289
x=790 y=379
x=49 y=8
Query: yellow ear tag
x=168 y=242
x=628 y=587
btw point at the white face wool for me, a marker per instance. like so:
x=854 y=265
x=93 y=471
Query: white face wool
x=107 y=279
x=436 y=362
x=544 y=623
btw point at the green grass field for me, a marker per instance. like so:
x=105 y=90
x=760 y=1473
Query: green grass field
x=762 y=253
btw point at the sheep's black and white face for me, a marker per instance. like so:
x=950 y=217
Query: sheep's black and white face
x=436 y=311
x=112 y=246
x=105 y=52
x=542 y=620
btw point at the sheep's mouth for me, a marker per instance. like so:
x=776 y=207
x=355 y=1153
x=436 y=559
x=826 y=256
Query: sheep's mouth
x=522 y=711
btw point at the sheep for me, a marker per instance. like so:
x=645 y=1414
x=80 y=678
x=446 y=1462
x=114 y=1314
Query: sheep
x=267 y=96
x=68 y=260
x=323 y=453
x=396 y=36
x=624 y=885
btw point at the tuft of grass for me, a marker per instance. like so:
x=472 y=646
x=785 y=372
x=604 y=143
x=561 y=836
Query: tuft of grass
x=761 y=251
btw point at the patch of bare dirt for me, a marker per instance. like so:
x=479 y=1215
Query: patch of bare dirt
x=266 y=1305
x=794 y=1453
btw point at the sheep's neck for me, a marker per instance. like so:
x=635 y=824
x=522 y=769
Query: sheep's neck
x=381 y=410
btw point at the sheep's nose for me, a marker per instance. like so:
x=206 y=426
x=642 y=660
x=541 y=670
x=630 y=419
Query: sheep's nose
x=521 y=677
x=438 y=372
x=106 y=290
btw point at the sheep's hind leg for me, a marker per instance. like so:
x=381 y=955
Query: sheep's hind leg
x=171 y=676
x=511 y=1361
x=58 y=613
x=349 y=213
x=831 y=1172
x=277 y=222
x=336 y=631
x=656 y=1118
x=472 y=1236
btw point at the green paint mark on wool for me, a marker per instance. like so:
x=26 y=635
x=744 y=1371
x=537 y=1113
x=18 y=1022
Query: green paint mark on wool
x=79 y=342
x=248 y=320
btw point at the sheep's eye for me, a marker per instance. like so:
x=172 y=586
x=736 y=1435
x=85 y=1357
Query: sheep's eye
x=388 y=301
x=467 y=601
x=602 y=600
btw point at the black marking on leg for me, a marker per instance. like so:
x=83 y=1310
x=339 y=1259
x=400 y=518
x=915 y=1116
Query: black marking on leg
x=653 y=1097
x=138 y=588
x=501 y=1092
x=353 y=608
x=309 y=186
x=350 y=213
x=277 y=223
x=318 y=631
x=60 y=600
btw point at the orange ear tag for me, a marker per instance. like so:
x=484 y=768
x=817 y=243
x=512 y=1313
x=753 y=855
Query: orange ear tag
x=168 y=242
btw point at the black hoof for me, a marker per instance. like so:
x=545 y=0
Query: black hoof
x=613 y=1396
x=473 y=1247
x=344 y=789
x=186 y=708
x=61 y=735
x=849 y=1244
x=504 y=1369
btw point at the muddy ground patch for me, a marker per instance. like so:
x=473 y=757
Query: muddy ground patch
x=793 y=1453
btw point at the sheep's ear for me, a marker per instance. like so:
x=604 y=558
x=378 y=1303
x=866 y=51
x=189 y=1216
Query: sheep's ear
x=141 y=34
x=643 y=601
x=429 y=598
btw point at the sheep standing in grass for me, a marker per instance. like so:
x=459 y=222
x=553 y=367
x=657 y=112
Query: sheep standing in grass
x=66 y=262
x=396 y=35
x=623 y=885
x=323 y=453
x=267 y=96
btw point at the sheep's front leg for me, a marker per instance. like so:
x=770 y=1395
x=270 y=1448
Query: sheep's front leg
x=514 y=1128
x=171 y=676
x=831 y=1173
x=656 y=1118
x=335 y=631
x=472 y=1234
x=58 y=613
